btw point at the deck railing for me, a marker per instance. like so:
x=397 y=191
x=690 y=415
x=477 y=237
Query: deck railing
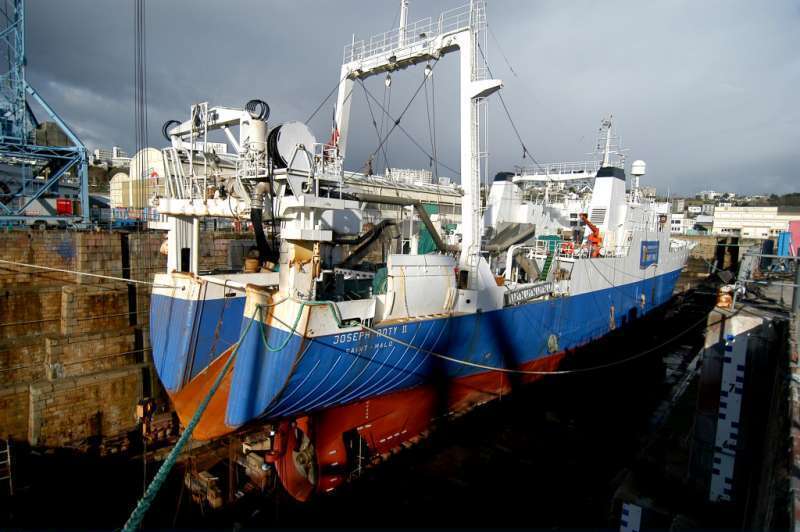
x=416 y=33
x=565 y=168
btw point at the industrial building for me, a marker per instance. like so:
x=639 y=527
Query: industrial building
x=753 y=222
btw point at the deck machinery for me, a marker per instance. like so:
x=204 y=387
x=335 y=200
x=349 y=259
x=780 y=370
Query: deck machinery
x=290 y=159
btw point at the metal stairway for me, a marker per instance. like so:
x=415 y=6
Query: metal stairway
x=548 y=262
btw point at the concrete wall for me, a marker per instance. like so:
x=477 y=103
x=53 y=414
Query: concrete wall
x=74 y=350
x=707 y=251
x=706 y=247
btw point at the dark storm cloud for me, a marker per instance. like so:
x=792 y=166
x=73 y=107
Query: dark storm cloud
x=703 y=91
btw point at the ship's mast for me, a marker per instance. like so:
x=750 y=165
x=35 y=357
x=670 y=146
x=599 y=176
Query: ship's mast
x=403 y=20
x=607 y=125
x=426 y=40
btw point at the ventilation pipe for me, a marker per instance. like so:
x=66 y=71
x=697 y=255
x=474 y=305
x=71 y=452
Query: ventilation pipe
x=421 y=212
x=265 y=252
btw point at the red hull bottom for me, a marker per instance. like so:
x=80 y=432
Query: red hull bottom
x=348 y=437
x=318 y=452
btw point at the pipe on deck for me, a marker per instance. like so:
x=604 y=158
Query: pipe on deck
x=421 y=212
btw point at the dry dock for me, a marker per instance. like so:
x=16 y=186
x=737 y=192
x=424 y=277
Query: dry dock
x=639 y=437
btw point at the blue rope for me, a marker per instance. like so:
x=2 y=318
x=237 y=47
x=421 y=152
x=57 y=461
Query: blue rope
x=135 y=520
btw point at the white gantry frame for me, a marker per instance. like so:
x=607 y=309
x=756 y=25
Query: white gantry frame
x=425 y=40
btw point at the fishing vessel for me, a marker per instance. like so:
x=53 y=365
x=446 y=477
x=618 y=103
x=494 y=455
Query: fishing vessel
x=329 y=360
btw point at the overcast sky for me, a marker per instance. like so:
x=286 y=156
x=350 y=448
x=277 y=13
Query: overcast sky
x=705 y=91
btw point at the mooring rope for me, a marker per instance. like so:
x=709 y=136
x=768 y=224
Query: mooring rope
x=334 y=310
x=158 y=481
x=86 y=274
x=293 y=328
x=534 y=372
x=262 y=326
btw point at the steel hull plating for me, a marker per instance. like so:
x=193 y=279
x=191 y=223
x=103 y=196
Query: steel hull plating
x=313 y=374
x=187 y=334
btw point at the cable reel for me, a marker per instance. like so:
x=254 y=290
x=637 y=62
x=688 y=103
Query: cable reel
x=258 y=109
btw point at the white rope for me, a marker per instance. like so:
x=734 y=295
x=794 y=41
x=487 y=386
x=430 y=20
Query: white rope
x=97 y=275
x=533 y=372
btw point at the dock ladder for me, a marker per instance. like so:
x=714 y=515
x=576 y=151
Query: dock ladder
x=5 y=465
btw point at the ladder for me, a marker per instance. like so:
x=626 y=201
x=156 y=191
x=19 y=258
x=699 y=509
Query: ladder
x=5 y=465
x=546 y=266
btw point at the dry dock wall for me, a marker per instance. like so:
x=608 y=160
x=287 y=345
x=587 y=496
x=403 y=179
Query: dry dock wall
x=74 y=350
x=709 y=252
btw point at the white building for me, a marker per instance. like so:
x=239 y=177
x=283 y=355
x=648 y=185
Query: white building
x=675 y=224
x=708 y=195
x=115 y=157
x=683 y=224
x=648 y=192
x=752 y=222
x=680 y=223
x=711 y=195
x=705 y=221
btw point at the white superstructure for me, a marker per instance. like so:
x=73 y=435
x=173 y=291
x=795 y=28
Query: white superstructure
x=581 y=238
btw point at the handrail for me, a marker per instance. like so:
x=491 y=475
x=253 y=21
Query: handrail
x=420 y=32
x=560 y=168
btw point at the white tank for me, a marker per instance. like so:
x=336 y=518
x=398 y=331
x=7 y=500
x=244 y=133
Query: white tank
x=254 y=135
x=118 y=190
x=638 y=167
x=147 y=163
x=147 y=177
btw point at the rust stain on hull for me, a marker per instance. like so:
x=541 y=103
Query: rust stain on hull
x=187 y=400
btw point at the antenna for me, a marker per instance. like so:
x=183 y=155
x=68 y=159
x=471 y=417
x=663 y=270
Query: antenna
x=607 y=125
x=608 y=145
x=403 y=21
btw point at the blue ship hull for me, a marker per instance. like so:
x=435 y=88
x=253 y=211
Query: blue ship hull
x=312 y=374
x=188 y=334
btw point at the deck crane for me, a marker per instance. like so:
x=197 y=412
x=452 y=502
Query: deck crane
x=595 y=239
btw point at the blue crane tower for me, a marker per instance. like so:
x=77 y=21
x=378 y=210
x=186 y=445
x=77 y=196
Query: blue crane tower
x=31 y=169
